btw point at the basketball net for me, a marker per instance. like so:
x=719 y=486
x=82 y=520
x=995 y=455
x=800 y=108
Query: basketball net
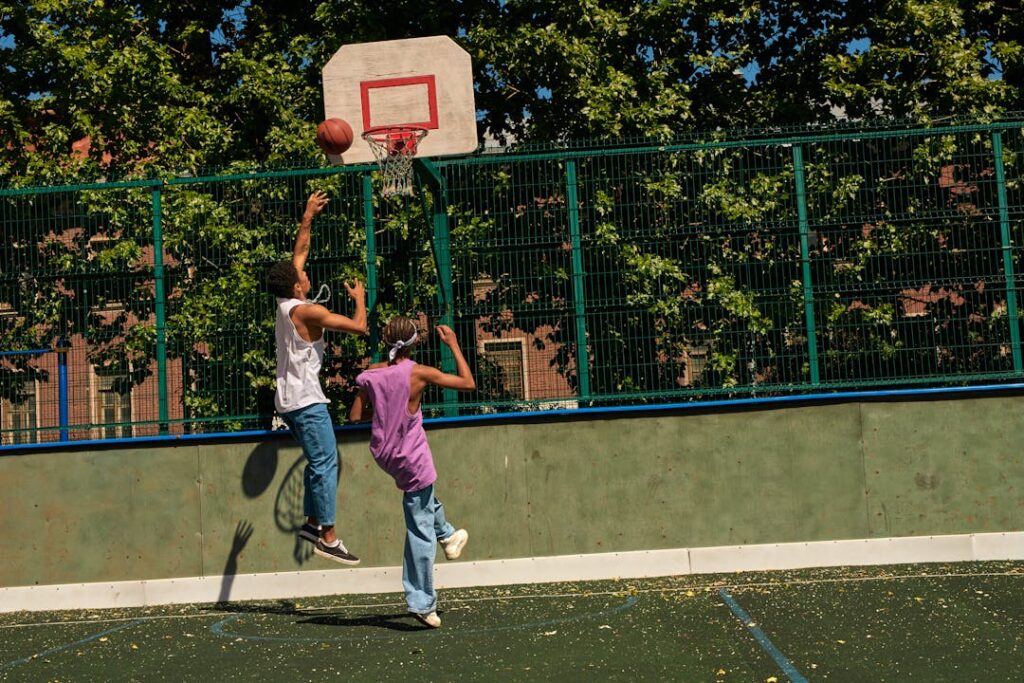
x=394 y=147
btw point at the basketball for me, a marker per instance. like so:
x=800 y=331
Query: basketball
x=334 y=136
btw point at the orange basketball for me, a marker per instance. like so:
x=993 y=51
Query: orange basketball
x=334 y=136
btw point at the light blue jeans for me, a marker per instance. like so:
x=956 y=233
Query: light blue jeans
x=311 y=426
x=425 y=525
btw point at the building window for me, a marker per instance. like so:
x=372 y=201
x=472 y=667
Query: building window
x=482 y=287
x=98 y=244
x=696 y=361
x=503 y=369
x=112 y=406
x=18 y=415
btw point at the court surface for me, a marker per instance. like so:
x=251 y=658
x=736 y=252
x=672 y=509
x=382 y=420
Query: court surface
x=952 y=622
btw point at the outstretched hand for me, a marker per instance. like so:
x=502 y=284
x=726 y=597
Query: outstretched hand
x=447 y=335
x=315 y=204
x=355 y=290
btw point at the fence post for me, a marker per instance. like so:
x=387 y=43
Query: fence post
x=1007 y=246
x=441 y=248
x=161 y=312
x=578 y=289
x=62 y=387
x=805 y=262
x=371 y=267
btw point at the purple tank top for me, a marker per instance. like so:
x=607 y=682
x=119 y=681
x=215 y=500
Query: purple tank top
x=397 y=440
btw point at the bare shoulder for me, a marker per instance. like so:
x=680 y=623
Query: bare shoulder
x=425 y=372
x=378 y=366
x=311 y=311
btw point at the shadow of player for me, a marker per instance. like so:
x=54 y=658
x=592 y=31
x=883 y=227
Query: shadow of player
x=243 y=532
x=401 y=621
x=391 y=622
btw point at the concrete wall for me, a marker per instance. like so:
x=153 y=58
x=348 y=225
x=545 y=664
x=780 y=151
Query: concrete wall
x=534 y=488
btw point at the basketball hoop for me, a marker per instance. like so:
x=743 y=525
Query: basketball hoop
x=394 y=147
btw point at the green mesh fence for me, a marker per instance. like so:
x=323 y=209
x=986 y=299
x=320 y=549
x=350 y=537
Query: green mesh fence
x=573 y=277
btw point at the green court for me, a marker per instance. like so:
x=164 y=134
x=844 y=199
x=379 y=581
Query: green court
x=954 y=622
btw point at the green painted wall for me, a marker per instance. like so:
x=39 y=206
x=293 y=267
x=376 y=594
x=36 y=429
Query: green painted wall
x=526 y=489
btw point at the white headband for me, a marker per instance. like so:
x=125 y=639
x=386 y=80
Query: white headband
x=399 y=345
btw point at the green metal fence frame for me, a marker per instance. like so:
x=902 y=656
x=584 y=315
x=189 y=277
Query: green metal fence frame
x=434 y=194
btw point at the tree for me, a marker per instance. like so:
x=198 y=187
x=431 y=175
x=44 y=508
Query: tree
x=144 y=89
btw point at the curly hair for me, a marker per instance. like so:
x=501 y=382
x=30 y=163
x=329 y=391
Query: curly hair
x=399 y=329
x=281 y=279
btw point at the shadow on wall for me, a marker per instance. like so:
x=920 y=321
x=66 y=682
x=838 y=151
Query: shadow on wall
x=259 y=470
x=243 y=532
x=258 y=473
x=288 y=509
x=289 y=514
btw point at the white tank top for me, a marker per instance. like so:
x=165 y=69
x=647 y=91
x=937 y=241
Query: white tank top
x=298 y=363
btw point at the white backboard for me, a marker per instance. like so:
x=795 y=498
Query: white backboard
x=426 y=82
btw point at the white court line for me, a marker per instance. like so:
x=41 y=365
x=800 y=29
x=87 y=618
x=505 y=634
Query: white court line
x=707 y=587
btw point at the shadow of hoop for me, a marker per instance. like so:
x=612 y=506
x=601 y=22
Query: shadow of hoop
x=289 y=515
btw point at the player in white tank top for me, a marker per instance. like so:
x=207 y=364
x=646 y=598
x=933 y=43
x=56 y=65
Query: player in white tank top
x=299 y=398
x=298 y=363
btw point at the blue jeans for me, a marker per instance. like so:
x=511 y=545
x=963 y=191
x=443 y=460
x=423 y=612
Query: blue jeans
x=425 y=525
x=311 y=426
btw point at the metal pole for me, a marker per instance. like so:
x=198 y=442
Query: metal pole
x=1007 y=246
x=62 y=387
x=441 y=247
x=578 y=292
x=805 y=262
x=161 y=313
x=371 y=267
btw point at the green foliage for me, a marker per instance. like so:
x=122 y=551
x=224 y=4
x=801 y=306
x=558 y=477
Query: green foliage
x=710 y=267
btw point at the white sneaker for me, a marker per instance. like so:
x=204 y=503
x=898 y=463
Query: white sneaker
x=431 y=620
x=454 y=544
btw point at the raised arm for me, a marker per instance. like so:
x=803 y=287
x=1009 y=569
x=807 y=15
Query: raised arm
x=315 y=315
x=311 y=319
x=463 y=380
x=314 y=205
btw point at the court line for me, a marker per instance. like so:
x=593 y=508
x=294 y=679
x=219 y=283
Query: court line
x=617 y=592
x=762 y=640
x=61 y=648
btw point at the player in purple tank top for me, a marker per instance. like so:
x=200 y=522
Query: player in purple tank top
x=399 y=445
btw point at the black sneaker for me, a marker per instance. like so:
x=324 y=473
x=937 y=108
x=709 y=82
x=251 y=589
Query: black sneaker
x=309 y=532
x=338 y=553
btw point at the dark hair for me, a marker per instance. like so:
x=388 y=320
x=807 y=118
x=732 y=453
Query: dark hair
x=398 y=329
x=281 y=279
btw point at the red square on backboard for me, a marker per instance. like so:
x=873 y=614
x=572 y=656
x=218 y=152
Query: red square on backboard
x=431 y=99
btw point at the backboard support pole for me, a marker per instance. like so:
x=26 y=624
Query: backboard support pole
x=428 y=177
